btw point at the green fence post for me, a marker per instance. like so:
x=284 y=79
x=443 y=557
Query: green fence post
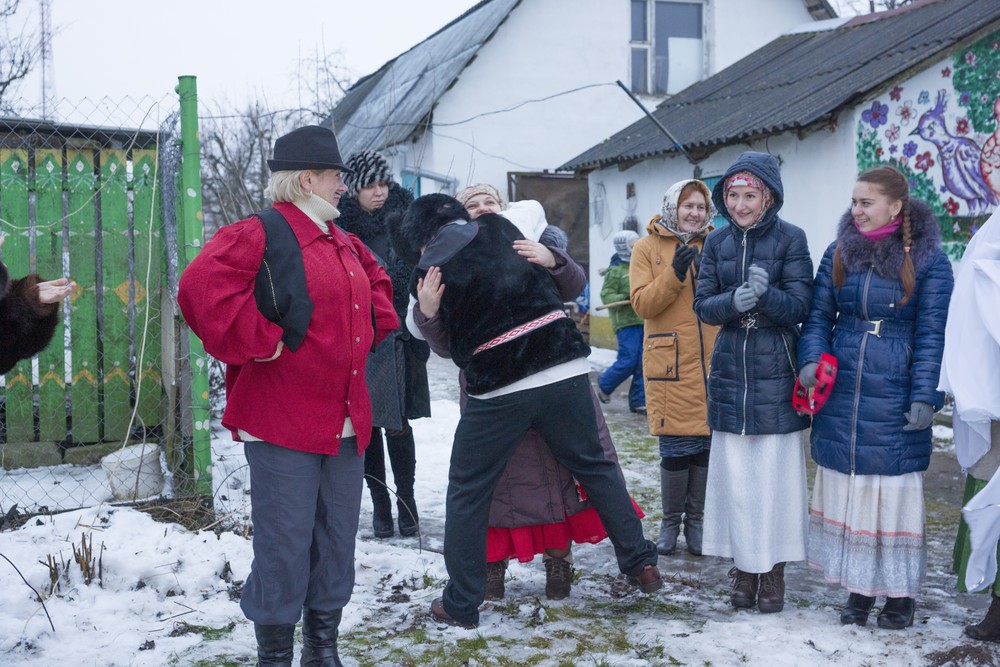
x=189 y=216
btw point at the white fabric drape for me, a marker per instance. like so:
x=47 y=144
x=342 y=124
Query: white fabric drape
x=969 y=372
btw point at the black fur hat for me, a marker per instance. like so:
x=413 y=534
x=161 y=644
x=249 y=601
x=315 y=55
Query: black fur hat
x=421 y=221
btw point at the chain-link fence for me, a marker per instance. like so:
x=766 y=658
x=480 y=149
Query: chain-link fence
x=104 y=411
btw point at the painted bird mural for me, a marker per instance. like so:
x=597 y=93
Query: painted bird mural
x=989 y=163
x=959 y=158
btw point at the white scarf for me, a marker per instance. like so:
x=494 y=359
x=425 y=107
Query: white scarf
x=319 y=211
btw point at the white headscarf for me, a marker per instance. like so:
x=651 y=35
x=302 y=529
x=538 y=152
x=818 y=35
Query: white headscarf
x=669 y=217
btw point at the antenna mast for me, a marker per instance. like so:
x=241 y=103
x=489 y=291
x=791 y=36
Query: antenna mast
x=48 y=78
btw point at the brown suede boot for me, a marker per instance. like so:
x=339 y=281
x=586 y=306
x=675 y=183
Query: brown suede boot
x=771 y=598
x=744 y=595
x=558 y=578
x=495 y=573
x=987 y=630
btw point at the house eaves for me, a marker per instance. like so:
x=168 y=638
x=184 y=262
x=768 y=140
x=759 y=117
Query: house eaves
x=798 y=81
x=388 y=106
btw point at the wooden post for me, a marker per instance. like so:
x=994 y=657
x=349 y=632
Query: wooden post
x=81 y=181
x=148 y=243
x=116 y=290
x=48 y=264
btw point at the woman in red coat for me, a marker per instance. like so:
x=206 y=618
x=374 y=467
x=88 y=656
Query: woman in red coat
x=295 y=390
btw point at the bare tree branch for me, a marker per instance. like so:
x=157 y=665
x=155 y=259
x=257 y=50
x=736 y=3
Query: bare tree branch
x=19 y=50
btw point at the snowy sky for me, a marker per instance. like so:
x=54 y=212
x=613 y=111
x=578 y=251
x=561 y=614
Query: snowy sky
x=238 y=49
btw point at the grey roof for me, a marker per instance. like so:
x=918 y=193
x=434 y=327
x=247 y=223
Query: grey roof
x=799 y=81
x=386 y=107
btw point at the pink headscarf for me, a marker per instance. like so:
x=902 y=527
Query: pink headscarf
x=752 y=180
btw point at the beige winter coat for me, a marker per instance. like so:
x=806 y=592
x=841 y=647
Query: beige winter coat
x=678 y=347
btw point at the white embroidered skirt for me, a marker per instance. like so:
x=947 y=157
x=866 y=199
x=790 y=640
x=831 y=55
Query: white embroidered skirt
x=756 y=501
x=866 y=532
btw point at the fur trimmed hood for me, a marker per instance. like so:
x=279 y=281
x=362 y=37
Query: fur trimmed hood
x=886 y=255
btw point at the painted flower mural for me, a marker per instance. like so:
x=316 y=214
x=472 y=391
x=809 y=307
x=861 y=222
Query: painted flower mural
x=941 y=128
x=877 y=115
x=906 y=113
x=924 y=161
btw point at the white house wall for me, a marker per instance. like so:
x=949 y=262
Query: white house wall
x=738 y=22
x=548 y=47
x=543 y=49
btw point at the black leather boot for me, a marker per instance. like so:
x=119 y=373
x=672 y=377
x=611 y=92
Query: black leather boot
x=673 y=491
x=319 y=638
x=375 y=478
x=275 y=644
x=857 y=609
x=987 y=630
x=402 y=456
x=897 y=613
x=694 y=508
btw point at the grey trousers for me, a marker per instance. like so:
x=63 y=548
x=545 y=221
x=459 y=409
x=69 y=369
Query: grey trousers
x=305 y=520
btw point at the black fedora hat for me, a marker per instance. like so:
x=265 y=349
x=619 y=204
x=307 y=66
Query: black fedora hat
x=309 y=147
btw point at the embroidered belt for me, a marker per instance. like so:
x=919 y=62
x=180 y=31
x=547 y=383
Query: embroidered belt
x=520 y=330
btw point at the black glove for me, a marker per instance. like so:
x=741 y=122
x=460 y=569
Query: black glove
x=683 y=256
x=919 y=417
x=807 y=376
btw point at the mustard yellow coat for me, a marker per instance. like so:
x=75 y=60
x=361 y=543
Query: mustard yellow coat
x=677 y=346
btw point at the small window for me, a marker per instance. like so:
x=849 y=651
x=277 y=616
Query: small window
x=674 y=57
x=640 y=71
x=639 y=18
x=719 y=220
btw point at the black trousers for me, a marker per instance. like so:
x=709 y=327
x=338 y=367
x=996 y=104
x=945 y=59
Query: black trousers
x=487 y=434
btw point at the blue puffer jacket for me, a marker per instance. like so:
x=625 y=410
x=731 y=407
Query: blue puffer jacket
x=753 y=365
x=860 y=428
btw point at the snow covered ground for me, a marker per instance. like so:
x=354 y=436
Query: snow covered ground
x=168 y=596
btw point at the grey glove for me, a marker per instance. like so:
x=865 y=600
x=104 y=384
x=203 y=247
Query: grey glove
x=744 y=298
x=758 y=279
x=807 y=376
x=919 y=417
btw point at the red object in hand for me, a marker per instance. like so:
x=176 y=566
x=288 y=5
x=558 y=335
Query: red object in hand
x=809 y=401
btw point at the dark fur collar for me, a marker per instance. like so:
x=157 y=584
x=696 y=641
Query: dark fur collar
x=368 y=226
x=886 y=255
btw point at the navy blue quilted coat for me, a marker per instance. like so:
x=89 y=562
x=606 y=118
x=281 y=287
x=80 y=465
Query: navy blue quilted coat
x=754 y=362
x=860 y=428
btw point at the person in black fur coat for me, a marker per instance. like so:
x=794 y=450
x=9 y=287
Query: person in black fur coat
x=526 y=366
x=29 y=313
x=397 y=371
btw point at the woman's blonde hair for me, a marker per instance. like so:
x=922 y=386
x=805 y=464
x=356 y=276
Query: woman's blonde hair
x=285 y=186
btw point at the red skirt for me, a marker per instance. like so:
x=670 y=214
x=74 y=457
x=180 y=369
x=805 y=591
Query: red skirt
x=523 y=542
